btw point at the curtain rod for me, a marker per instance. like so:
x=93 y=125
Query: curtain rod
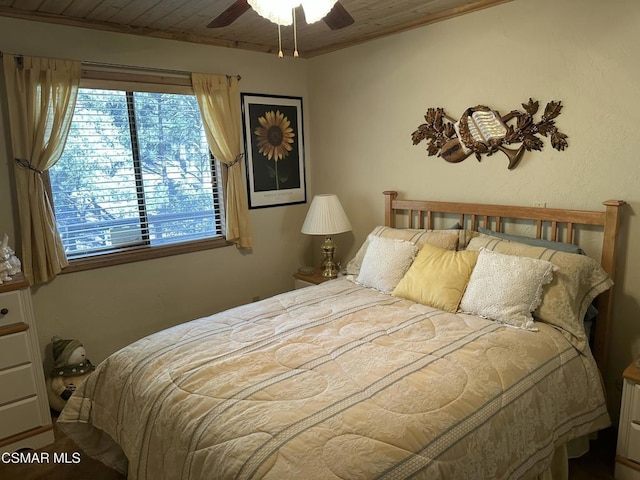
x=150 y=69
x=113 y=65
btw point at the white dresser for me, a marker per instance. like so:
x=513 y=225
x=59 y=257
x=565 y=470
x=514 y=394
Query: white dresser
x=25 y=419
x=628 y=451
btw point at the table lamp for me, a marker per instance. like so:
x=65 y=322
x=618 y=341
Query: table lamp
x=326 y=217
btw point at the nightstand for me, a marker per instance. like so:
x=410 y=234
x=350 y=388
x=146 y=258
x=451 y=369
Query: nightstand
x=315 y=278
x=628 y=450
x=25 y=420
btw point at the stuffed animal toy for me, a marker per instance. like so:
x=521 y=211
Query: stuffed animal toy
x=9 y=263
x=71 y=366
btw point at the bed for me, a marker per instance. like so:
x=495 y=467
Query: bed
x=379 y=374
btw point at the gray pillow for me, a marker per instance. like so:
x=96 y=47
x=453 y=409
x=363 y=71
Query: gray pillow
x=536 y=242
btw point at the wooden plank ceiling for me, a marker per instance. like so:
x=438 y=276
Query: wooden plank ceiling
x=187 y=20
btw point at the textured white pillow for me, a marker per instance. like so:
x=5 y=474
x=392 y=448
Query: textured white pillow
x=507 y=288
x=578 y=280
x=385 y=263
x=441 y=238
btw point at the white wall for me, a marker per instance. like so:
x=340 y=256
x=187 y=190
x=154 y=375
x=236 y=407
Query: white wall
x=367 y=100
x=109 y=307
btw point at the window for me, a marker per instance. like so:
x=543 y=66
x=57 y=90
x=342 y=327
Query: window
x=136 y=173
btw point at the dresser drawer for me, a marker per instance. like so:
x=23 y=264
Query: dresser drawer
x=19 y=417
x=633 y=451
x=11 y=303
x=18 y=382
x=14 y=350
x=634 y=414
x=633 y=424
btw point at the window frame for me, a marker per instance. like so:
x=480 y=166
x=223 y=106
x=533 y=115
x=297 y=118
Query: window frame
x=156 y=81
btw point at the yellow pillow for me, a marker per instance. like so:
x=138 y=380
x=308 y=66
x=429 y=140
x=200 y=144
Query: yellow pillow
x=437 y=277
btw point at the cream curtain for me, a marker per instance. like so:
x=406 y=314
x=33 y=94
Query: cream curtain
x=219 y=100
x=41 y=95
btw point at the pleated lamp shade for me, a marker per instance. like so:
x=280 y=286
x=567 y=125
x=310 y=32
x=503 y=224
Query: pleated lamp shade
x=326 y=216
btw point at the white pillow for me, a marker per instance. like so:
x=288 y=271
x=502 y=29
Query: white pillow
x=441 y=238
x=385 y=263
x=578 y=280
x=507 y=288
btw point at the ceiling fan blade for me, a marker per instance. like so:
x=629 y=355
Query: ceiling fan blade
x=338 y=17
x=230 y=15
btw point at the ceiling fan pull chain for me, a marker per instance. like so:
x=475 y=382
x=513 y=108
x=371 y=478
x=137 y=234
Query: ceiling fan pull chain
x=295 y=34
x=280 y=54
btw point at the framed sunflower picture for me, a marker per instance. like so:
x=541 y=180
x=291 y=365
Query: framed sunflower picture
x=274 y=148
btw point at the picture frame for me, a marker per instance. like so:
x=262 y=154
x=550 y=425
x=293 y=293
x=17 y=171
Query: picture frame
x=274 y=149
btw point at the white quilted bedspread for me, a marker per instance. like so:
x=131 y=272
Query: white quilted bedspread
x=337 y=382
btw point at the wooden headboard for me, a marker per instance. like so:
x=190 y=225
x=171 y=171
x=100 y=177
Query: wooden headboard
x=550 y=224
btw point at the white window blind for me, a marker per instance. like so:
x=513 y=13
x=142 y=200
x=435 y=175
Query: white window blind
x=136 y=172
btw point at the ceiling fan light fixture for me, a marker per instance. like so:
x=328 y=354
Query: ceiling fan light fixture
x=280 y=11
x=316 y=10
x=283 y=13
x=276 y=11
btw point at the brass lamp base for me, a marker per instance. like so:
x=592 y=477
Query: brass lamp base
x=329 y=268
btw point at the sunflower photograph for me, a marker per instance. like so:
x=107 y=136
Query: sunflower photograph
x=274 y=151
x=275 y=135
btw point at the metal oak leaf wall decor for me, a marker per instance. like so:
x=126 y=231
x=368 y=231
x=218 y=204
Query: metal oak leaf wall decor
x=483 y=131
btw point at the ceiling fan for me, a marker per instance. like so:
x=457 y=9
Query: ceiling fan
x=336 y=19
